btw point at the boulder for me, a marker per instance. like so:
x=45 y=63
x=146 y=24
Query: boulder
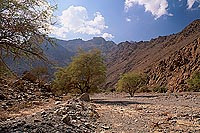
x=85 y=97
x=29 y=77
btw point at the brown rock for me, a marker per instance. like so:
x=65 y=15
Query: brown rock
x=29 y=77
x=2 y=96
x=66 y=119
x=85 y=97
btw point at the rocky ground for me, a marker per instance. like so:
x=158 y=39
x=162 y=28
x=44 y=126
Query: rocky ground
x=17 y=95
x=73 y=116
x=157 y=113
x=32 y=109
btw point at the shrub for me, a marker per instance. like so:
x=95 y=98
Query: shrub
x=160 y=89
x=144 y=89
x=194 y=82
x=131 y=82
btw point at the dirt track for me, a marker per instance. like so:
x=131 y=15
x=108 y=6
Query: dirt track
x=148 y=113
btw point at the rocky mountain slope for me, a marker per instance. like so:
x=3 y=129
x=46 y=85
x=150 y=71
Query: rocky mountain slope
x=61 y=52
x=167 y=60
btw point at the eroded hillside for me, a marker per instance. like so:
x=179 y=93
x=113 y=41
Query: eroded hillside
x=167 y=59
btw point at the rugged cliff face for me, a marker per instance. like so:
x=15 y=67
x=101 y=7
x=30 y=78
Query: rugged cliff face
x=168 y=60
x=173 y=71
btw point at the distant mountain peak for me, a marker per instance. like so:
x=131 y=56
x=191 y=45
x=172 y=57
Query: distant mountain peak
x=100 y=38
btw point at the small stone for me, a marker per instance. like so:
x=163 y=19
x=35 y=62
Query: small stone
x=3 y=104
x=105 y=127
x=198 y=121
x=184 y=122
x=73 y=121
x=122 y=110
x=57 y=102
x=2 y=96
x=68 y=130
x=66 y=119
x=157 y=132
x=56 y=111
x=86 y=123
x=36 y=102
x=78 y=117
x=37 y=120
x=196 y=116
x=28 y=126
x=43 y=113
x=83 y=120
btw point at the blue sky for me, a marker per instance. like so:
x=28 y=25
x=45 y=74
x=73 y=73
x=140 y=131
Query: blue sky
x=122 y=20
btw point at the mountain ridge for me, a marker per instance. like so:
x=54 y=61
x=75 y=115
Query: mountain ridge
x=60 y=53
x=142 y=56
x=95 y=42
x=156 y=57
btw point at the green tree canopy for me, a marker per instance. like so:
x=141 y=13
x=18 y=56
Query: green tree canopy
x=131 y=82
x=85 y=73
x=194 y=82
x=24 y=24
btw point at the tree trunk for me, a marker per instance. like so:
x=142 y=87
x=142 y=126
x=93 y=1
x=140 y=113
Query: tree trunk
x=132 y=92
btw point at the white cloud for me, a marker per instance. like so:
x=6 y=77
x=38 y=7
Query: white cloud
x=59 y=31
x=128 y=19
x=75 y=19
x=190 y=3
x=107 y=36
x=157 y=8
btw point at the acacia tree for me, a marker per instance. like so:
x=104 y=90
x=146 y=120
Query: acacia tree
x=131 y=82
x=24 y=24
x=85 y=73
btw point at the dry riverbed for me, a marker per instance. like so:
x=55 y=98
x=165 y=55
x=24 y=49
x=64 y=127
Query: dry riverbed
x=108 y=113
x=163 y=113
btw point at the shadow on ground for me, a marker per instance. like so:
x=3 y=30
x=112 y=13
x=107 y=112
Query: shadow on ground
x=143 y=96
x=115 y=102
